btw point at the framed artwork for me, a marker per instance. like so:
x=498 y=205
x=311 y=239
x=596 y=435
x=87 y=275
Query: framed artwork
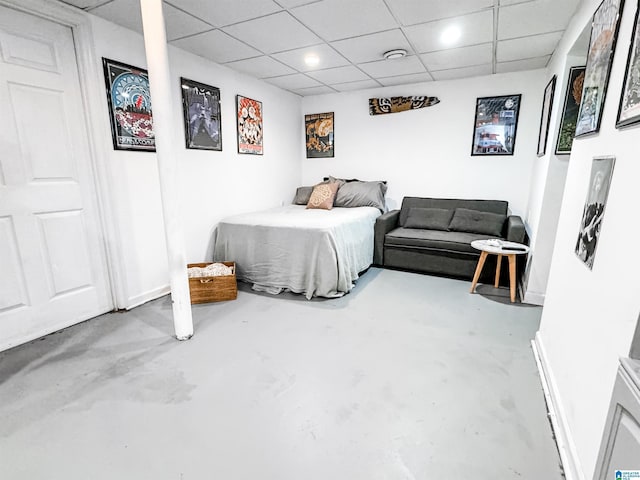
x=129 y=100
x=319 y=135
x=545 y=116
x=599 y=182
x=629 y=110
x=570 y=110
x=602 y=45
x=202 y=117
x=249 y=116
x=495 y=125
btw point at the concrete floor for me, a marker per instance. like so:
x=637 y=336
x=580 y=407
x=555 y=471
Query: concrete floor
x=407 y=377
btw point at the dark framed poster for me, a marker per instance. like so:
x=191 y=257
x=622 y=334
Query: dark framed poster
x=629 y=110
x=570 y=110
x=545 y=116
x=129 y=100
x=495 y=125
x=202 y=117
x=249 y=119
x=319 y=135
x=602 y=45
x=593 y=212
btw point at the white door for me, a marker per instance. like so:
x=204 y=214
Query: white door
x=53 y=270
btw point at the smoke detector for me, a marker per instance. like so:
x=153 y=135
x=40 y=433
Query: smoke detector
x=397 y=53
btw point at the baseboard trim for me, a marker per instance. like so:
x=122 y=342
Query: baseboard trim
x=534 y=298
x=147 y=296
x=557 y=417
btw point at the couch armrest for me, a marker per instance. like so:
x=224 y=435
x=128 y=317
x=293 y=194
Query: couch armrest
x=515 y=229
x=384 y=224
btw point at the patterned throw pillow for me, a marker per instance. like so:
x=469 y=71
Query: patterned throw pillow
x=323 y=196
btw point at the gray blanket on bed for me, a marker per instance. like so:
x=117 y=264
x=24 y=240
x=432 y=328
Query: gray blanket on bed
x=314 y=252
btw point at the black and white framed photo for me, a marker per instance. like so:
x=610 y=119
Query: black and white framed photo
x=202 y=117
x=545 y=116
x=629 y=110
x=570 y=109
x=594 y=206
x=129 y=100
x=495 y=125
x=602 y=46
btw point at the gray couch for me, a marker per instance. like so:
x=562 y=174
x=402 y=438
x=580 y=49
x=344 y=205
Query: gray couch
x=434 y=235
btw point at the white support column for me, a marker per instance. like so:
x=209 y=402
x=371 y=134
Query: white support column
x=162 y=91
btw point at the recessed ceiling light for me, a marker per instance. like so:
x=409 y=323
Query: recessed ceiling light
x=450 y=35
x=397 y=53
x=311 y=59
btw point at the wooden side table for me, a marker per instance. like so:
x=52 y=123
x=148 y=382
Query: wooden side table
x=499 y=248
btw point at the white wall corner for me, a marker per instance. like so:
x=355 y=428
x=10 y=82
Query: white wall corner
x=557 y=416
x=533 y=298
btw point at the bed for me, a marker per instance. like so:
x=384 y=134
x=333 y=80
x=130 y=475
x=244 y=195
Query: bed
x=315 y=252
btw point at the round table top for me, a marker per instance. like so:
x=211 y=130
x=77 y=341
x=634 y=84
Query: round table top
x=500 y=247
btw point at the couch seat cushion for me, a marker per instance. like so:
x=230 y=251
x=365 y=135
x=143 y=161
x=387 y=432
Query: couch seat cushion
x=433 y=239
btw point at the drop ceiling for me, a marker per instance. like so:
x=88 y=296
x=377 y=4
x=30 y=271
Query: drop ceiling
x=269 y=39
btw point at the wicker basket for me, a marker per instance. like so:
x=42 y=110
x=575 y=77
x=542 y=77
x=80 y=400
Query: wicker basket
x=213 y=289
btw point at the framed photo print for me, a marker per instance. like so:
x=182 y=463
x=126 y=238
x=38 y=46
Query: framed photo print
x=129 y=100
x=319 y=135
x=602 y=45
x=629 y=110
x=202 y=118
x=545 y=116
x=249 y=117
x=495 y=125
x=570 y=110
x=601 y=173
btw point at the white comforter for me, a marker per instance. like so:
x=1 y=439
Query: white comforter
x=314 y=252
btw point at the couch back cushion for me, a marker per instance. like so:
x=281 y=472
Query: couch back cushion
x=429 y=218
x=491 y=206
x=475 y=221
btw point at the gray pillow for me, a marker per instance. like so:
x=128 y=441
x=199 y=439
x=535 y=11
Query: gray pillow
x=361 y=194
x=429 y=218
x=475 y=221
x=302 y=195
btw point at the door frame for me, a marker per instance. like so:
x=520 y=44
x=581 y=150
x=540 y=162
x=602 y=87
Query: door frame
x=90 y=80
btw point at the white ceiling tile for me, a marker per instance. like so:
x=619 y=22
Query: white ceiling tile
x=83 y=3
x=391 y=68
x=466 y=72
x=458 y=57
x=406 y=79
x=179 y=24
x=338 y=19
x=513 y=2
x=314 y=90
x=369 y=48
x=532 y=18
x=217 y=46
x=293 y=82
x=527 y=47
x=521 y=65
x=261 y=67
x=122 y=13
x=413 y=12
x=339 y=75
x=295 y=58
x=476 y=28
x=351 y=86
x=274 y=33
x=226 y=12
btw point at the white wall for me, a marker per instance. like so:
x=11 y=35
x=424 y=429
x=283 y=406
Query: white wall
x=213 y=184
x=590 y=315
x=427 y=152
